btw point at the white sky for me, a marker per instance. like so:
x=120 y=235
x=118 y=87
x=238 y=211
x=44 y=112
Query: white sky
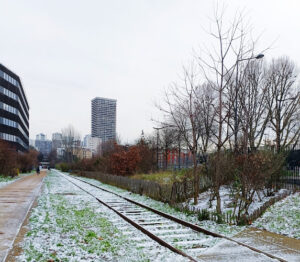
x=67 y=52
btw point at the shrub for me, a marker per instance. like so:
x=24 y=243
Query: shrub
x=64 y=167
x=27 y=161
x=8 y=159
x=124 y=161
x=203 y=215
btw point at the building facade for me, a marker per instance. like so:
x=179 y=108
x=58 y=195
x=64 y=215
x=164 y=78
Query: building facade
x=14 y=110
x=92 y=143
x=86 y=141
x=104 y=114
x=56 y=140
x=82 y=153
x=43 y=145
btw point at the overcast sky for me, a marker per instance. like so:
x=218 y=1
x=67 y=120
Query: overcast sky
x=67 y=52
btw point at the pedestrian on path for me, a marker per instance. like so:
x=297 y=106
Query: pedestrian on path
x=37 y=170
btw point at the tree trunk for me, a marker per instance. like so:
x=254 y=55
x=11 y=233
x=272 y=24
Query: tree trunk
x=196 y=182
x=179 y=157
x=217 y=183
x=218 y=207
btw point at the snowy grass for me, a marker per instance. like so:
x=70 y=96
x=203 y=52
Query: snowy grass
x=227 y=201
x=5 y=178
x=70 y=225
x=224 y=229
x=283 y=217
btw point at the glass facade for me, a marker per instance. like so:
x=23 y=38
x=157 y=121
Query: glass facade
x=14 y=110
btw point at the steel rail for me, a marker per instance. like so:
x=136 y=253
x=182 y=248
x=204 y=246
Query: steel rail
x=145 y=231
x=182 y=222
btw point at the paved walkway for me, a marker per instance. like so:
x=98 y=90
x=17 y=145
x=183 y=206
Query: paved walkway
x=280 y=246
x=15 y=202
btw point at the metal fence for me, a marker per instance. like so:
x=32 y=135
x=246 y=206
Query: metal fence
x=176 y=161
x=291 y=177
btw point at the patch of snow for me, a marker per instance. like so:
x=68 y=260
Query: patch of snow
x=283 y=217
x=224 y=229
x=227 y=200
x=70 y=225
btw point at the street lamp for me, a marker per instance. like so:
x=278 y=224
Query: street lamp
x=157 y=134
x=259 y=56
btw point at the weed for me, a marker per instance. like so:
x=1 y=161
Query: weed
x=203 y=215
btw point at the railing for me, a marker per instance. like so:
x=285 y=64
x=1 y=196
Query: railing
x=291 y=178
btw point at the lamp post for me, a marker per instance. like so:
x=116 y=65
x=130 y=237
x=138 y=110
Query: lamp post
x=259 y=56
x=157 y=136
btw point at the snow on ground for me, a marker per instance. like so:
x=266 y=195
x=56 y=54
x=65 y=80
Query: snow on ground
x=4 y=180
x=70 y=225
x=283 y=217
x=186 y=240
x=224 y=229
x=227 y=200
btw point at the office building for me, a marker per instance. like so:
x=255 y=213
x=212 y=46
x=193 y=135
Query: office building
x=14 y=110
x=92 y=143
x=43 y=145
x=56 y=140
x=104 y=112
x=86 y=141
x=41 y=136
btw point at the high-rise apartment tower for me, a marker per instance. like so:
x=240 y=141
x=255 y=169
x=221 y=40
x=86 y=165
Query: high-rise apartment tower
x=104 y=113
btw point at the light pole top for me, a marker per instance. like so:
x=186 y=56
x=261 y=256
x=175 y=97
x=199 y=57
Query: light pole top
x=259 y=56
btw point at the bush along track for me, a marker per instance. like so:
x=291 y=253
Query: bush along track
x=69 y=225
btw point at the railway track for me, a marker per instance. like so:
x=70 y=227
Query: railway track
x=179 y=236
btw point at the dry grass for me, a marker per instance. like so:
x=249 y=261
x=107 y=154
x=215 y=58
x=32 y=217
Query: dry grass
x=162 y=177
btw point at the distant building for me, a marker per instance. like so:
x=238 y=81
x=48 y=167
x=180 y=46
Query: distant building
x=86 y=141
x=60 y=152
x=57 y=136
x=43 y=145
x=92 y=143
x=56 y=140
x=32 y=142
x=41 y=136
x=82 y=153
x=14 y=110
x=104 y=112
x=96 y=145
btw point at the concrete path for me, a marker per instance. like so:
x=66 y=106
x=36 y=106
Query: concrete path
x=16 y=200
x=279 y=246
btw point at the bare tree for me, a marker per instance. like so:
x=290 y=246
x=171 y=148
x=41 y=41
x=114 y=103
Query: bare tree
x=178 y=145
x=151 y=141
x=253 y=111
x=283 y=101
x=231 y=45
x=167 y=139
x=70 y=140
x=182 y=113
x=206 y=102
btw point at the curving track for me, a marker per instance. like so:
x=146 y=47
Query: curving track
x=179 y=236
